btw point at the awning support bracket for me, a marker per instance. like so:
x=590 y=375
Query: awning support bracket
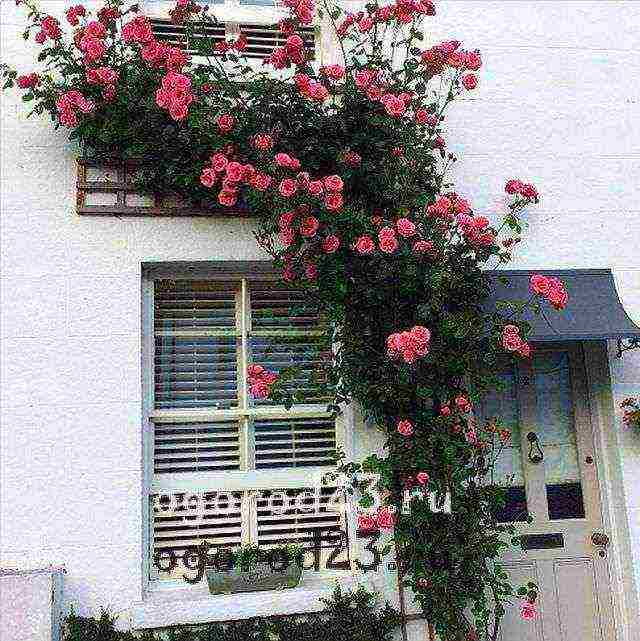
x=627 y=345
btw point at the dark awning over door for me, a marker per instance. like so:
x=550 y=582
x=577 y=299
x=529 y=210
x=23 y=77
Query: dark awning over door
x=594 y=310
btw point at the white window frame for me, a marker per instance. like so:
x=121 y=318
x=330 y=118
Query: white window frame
x=283 y=478
x=234 y=14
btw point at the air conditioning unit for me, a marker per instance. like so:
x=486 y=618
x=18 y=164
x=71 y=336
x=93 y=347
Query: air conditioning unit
x=30 y=604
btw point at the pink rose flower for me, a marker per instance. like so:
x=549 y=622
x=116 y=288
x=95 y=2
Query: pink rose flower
x=333 y=202
x=352 y=159
x=469 y=81
x=225 y=123
x=260 y=389
x=288 y=187
x=513 y=186
x=309 y=226
x=330 y=244
x=422 y=246
x=234 y=171
x=263 y=141
x=282 y=160
x=261 y=182
x=333 y=183
x=287 y=236
x=208 y=177
x=387 y=244
x=406 y=228
x=528 y=611
x=405 y=427
x=422 y=478
x=315 y=187
x=394 y=105
x=286 y=219
x=445 y=410
x=473 y=60
x=463 y=404
x=364 y=245
x=366 y=523
x=385 y=518
x=539 y=284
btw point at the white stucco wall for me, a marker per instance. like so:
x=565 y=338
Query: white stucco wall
x=558 y=104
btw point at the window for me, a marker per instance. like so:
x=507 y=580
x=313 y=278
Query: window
x=224 y=467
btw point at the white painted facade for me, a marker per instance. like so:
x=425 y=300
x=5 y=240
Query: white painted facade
x=558 y=105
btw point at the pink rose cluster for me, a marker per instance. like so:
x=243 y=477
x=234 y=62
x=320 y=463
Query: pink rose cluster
x=475 y=229
x=138 y=30
x=311 y=89
x=389 y=237
x=175 y=95
x=260 y=381
x=292 y=52
x=447 y=207
x=449 y=55
x=550 y=288
x=383 y=519
x=69 y=103
x=163 y=56
x=232 y=175
x=301 y=10
x=107 y=78
x=409 y=345
x=49 y=29
x=90 y=40
x=239 y=44
x=461 y=403
x=526 y=190
x=327 y=188
x=512 y=341
x=74 y=14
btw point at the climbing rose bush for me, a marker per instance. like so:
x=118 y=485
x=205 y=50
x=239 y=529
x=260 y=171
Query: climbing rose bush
x=345 y=169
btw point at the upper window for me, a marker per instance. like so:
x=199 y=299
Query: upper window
x=228 y=468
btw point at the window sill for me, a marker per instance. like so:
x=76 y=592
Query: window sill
x=191 y=605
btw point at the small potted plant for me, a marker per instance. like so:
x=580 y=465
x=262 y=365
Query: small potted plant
x=250 y=568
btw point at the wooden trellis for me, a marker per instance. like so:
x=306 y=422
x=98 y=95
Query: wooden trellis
x=106 y=188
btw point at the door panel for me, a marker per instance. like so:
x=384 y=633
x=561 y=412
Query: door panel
x=577 y=601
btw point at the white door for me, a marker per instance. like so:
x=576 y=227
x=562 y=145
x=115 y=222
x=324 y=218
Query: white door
x=551 y=473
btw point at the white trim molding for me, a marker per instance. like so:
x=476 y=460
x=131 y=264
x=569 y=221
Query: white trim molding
x=614 y=509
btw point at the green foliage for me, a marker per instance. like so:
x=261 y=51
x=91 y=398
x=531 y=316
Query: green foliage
x=347 y=616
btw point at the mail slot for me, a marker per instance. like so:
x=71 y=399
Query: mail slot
x=542 y=541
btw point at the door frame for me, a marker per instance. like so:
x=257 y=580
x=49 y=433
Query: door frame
x=608 y=457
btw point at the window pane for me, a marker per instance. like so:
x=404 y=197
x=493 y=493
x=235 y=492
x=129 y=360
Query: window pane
x=195 y=344
x=196 y=372
x=304 y=516
x=286 y=331
x=557 y=435
x=181 y=522
x=196 y=447
x=299 y=442
x=503 y=404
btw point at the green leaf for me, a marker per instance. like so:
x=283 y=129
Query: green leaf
x=28 y=97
